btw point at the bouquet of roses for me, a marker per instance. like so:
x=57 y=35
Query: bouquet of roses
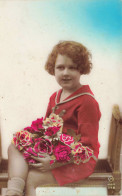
x=45 y=136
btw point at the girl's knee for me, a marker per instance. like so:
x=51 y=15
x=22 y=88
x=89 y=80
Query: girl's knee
x=13 y=152
x=11 y=148
x=37 y=178
x=32 y=180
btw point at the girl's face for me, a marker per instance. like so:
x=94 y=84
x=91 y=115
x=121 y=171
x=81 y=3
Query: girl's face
x=66 y=73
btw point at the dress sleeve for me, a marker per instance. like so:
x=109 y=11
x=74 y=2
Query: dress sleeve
x=88 y=123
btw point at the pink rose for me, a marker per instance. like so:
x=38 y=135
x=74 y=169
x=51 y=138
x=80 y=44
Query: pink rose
x=77 y=148
x=62 y=152
x=37 y=125
x=66 y=139
x=89 y=152
x=52 y=162
x=30 y=152
x=29 y=129
x=22 y=139
x=51 y=131
x=82 y=153
x=42 y=146
x=28 y=158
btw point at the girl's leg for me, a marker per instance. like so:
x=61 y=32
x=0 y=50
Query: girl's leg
x=17 y=171
x=36 y=178
x=17 y=166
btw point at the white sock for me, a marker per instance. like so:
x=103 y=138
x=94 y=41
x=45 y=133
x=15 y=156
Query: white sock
x=15 y=186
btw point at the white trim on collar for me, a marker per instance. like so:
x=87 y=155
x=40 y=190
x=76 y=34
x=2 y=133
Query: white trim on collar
x=72 y=97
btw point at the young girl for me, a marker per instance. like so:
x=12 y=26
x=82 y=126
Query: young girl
x=80 y=112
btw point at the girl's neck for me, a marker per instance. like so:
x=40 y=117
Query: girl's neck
x=67 y=92
x=70 y=91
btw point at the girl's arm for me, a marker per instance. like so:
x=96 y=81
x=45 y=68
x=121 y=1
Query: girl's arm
x=44 y=163
x=88 y=123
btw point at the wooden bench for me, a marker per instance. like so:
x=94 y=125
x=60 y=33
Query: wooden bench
x=107 y=172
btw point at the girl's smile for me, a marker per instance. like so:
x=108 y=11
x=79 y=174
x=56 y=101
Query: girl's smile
x=66 y=73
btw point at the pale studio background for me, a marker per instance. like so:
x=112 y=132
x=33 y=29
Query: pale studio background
x=29 y=30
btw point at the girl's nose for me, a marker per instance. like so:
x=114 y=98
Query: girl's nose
x=65 y=71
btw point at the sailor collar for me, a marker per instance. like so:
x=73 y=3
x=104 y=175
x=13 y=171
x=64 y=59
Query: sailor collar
x=71 y=98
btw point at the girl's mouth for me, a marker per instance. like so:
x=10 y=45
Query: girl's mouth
x=66 y=79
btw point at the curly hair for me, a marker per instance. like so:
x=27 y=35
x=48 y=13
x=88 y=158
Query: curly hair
x=74 y=50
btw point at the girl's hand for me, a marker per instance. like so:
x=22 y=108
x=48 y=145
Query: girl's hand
x=44 y=164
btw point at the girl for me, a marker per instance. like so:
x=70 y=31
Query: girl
x=80 y=112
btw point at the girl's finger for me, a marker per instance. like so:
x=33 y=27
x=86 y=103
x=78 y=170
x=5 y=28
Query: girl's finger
x=39 y=158
x=43 y=170
x=37 y=165
x=36 y=158
x=44 y=155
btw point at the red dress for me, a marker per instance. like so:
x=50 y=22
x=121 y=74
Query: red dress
x=82 y=114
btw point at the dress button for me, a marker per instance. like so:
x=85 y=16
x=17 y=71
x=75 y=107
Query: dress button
x=54 y=108
x=64 y=111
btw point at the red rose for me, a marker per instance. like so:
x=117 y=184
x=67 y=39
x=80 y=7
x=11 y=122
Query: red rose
x=62 y=152
x=30 y=152
x=42 y=146
x=51 y=131
x=27 y=157
x=29 y=129
x=37 y=124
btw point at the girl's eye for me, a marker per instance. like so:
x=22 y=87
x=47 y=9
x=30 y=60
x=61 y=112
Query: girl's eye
x=73 y=67
x=60 y=67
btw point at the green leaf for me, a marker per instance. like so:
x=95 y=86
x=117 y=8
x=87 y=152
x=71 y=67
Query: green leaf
x=77 y=137
x=71 y=132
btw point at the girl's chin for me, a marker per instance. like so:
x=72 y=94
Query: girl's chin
x=66 y=86
x=70 y=87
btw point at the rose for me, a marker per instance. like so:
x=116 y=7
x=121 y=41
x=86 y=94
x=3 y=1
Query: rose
x=62 y=152
x=22 y=139
x=81 y=153
x=28 y=158
x=42 y=146
x=37 y=125
x=52 y=162
x=80 y=156
x=89 y=151
x=30 y=152
x=76 y=148
x=51 y=131
x=53 y=120
x=66 y=139
x=29 y=129
x=77 y=160
x=36 y=133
